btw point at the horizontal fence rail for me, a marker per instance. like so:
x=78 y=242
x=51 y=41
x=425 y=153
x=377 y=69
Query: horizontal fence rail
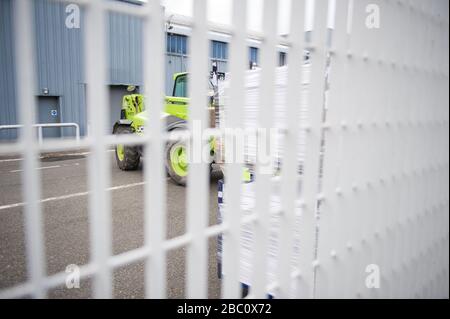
x=364 y=212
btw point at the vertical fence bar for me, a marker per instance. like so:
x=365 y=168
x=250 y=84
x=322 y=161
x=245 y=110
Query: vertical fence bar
x=358 y=135
x=392 y=136
x=347 y=190
x=198 y=187
x=264 y=171
x=233 y=169
x=310 y=181
x=155 y=188
x=404 y=144
x=357 y=131
x=26 y=101
x=331 y=245
x=290 y=164
x=98 y=166
x=383 y=141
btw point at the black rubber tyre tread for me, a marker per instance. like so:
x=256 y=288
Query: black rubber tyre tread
x=132 y=157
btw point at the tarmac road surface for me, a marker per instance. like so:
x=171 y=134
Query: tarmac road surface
x=64 y=196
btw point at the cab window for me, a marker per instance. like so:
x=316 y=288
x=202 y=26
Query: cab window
x=180 y=89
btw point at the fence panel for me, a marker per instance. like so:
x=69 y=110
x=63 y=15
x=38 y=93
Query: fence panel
x=372 y=182
x=385 y=207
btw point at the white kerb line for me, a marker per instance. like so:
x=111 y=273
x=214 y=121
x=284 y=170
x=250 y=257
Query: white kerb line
x=197 y=179
x=98 y=168
x=155 y=190
x=26 y=80
x=233 y=168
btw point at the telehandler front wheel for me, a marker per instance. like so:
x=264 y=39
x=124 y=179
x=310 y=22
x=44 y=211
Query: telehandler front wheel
x=127 y=156
x=176 y=160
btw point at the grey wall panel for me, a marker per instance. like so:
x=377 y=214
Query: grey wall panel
x=7 y=75
x=60 y=61
x=125 y=49
x=174 y=63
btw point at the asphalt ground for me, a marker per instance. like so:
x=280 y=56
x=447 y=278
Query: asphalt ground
x=64 y=181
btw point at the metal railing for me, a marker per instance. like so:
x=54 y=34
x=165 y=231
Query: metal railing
x=40 y=126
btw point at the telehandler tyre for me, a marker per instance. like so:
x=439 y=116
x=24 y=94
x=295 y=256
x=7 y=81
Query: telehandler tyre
x=127 y=156
x=176 y=161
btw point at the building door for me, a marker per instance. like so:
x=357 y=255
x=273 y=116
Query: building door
x=116 y=93
x=49 y=112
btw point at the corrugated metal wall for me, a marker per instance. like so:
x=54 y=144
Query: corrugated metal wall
x=60 y=60
x=125 y=49
x=7 y=88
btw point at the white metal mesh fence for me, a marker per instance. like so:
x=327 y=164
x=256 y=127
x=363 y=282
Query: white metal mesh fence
x=385 y=180
x=380 y=201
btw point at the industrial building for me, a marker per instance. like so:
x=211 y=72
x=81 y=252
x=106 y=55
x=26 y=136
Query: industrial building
x=61 y=88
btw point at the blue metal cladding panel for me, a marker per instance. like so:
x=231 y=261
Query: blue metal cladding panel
x=60 y=60
x=125 y=49
x=7 y=75
x=59 y=56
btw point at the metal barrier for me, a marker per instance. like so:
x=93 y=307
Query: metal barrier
x=381 y=193
x=44 y=125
